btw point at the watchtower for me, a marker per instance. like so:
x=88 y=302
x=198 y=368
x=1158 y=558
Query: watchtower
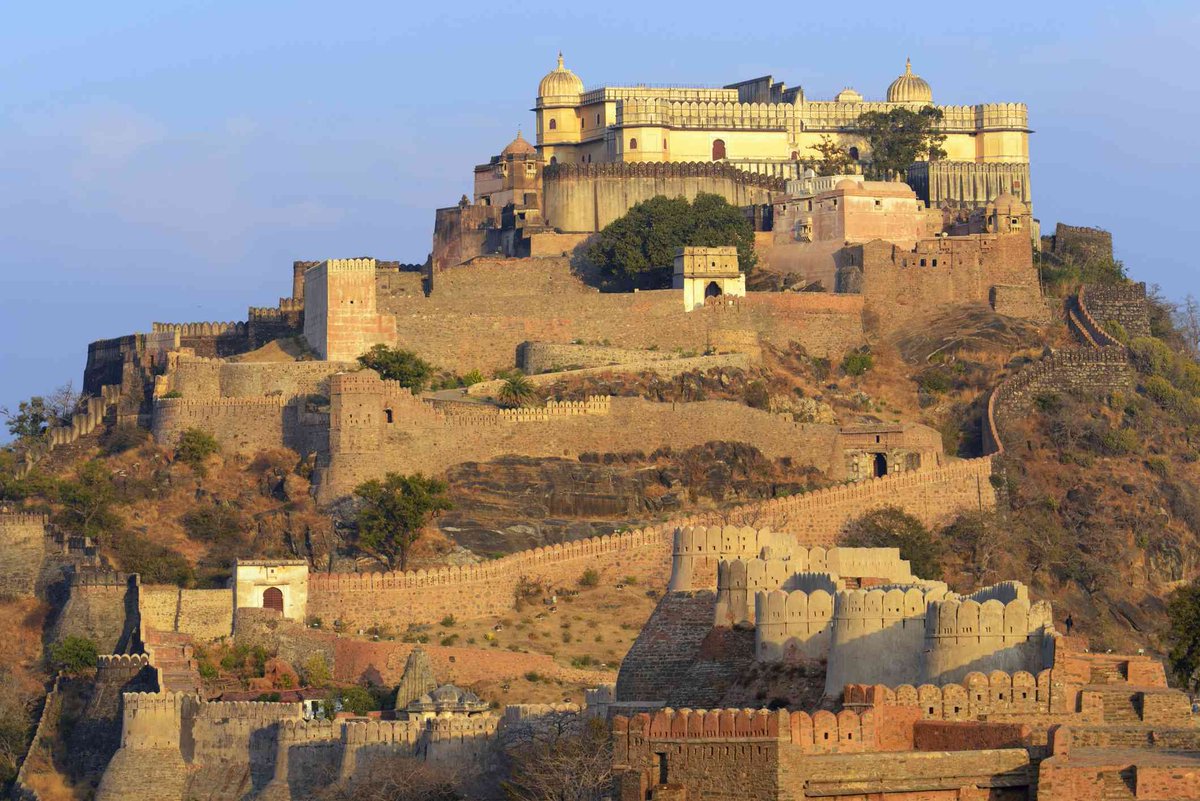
x=704 y=273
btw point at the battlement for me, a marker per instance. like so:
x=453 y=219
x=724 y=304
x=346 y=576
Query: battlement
x=155 y=720
x=94 y=577
x=366 y=265
x=969 y=619
x=792 y=624
x=122 y=661
x=564 y=171
x=978 y=696
x=299 y=732
x=200 y=329
x=260 y=713
x=22 y=519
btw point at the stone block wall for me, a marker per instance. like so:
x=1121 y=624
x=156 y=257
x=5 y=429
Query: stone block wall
x=23 y=543
x=1125 y=305
x=200 y=378
x=341 y=320
x=1079 y=242
x=585 y=198
x=204 y=614
x=101 y=606
x=549 y=357
x=1088 y=370
x=208 y=339
x=243 y=425
x=487 y=589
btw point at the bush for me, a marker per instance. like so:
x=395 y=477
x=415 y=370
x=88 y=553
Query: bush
x=157 y=563
x=356 y=700
x=121 y=438
x=316 y=672
x=757 y=396
x=935 y=381
x=173 y=394
x=892 y=527
x=590 y=578
x=1120 y=442
x=857 y=363
x=194 y=447
x=73 y=655
x=472 y=378
x=396 y=364
x=448 y=621
x=220 y=525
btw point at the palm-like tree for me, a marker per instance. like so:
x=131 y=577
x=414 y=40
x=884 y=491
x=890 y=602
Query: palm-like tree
x=517 y=391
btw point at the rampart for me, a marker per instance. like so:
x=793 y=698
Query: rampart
x=94 y=410
x=23 y=543
x=209 y=338
x=203 y=614
x=201 y=378
x=242 y=425
x=817 y=518
x=1085 y=370
x=101 y=606
x=583 y=198
x=1079 y=242
x=1125 y=305
x=541 y=300
x=485 y=589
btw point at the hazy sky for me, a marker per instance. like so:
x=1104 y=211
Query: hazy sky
x=168 y=161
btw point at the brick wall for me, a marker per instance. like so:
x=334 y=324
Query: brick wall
x=200 y=378
x=1079 y=242
x=1125 y=305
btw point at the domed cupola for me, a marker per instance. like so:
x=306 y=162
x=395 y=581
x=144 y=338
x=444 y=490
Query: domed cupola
x=518 y=147
x=560 y=83
x=909 y=88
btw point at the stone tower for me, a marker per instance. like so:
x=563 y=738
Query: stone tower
x=417 y=679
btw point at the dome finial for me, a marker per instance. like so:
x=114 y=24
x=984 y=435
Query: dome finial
x=560 y=60
x=908 y=66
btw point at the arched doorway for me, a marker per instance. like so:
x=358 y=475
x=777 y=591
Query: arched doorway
x=854 y=153
x=880 y=465
x=712 y=290
x=718 y=149
x=273 y=599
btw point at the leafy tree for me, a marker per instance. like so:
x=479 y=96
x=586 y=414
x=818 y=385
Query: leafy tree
x=1183 y=614
x=220 y=524
x=155 y=562
x=517 y=391
x=355 y=699
x=73 y=654
x=194 y=447
x=901 y=137
x=394 y=511
x=892 y=527
x=87 y=502
x=835 y=159
x=396 y=364
x=857 y=363
x=30 y=420
x=646 y=237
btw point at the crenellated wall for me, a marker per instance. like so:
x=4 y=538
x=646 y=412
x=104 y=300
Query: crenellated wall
x=966 y=635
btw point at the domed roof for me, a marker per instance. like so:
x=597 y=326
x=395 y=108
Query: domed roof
x=846 y=183
x=1008 y=204
x=909 y=88
x=518 y=147
x=848 y=95
x=561 y=81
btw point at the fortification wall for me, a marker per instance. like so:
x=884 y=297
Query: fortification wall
x=962 y=636
x=792 y=625
x=1079 y=242
x=519 y=300
x=665 y=368
x=997 y=695
x=149 y=764
x=208 y=339
x=204 y=614
x=241 y=425
x=486 y=589
x=101 y=606
x=363 y=444
x=1124 y=305
x=899 y=285
x=1085 y=370
x=585 y=198
x=23 y=543
x=877 y=635
x=199 y=378
x=817 y=518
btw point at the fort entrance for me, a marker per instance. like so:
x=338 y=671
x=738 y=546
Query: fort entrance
x=273 y=599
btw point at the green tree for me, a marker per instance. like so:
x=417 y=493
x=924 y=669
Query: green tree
x=835 y=159
x=646 y=237
x=194 y=446
x=393 y=513
x=396 y=364
x=901 y=137
x=1183 y=614
x=892 y=527
x=87 y=502
x=354 y=699
x=517 y=391
x=73 y=654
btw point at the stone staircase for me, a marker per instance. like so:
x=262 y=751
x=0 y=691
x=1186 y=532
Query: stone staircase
x=173 y=654
x=1121 y=707
x=1106 y=673
x=1119 y=785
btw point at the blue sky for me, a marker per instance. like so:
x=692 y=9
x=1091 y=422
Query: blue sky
x=168 y=161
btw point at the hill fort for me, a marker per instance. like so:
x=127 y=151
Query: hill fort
x=778 y=662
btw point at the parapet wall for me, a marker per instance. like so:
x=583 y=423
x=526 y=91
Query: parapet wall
x=935 y=496
x=200 y=378
x=486 y=589
x=204 y=614
x=583 y=198
x=997 y=695
x=1125 y=305
x=965 y=635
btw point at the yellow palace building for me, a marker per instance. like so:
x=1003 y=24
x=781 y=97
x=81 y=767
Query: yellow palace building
x=763 y=126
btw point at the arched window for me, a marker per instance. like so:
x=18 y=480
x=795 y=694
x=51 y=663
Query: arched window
x=881 y=467
x=273 y=599
x=718 y=149
x=633 y=144
x=795 y=155
x=554 y=159
x=553 y=124
x=712 y=290
x=854 y=153
x=597 y=119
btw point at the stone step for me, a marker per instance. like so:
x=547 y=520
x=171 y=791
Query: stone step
x=1119 y=786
